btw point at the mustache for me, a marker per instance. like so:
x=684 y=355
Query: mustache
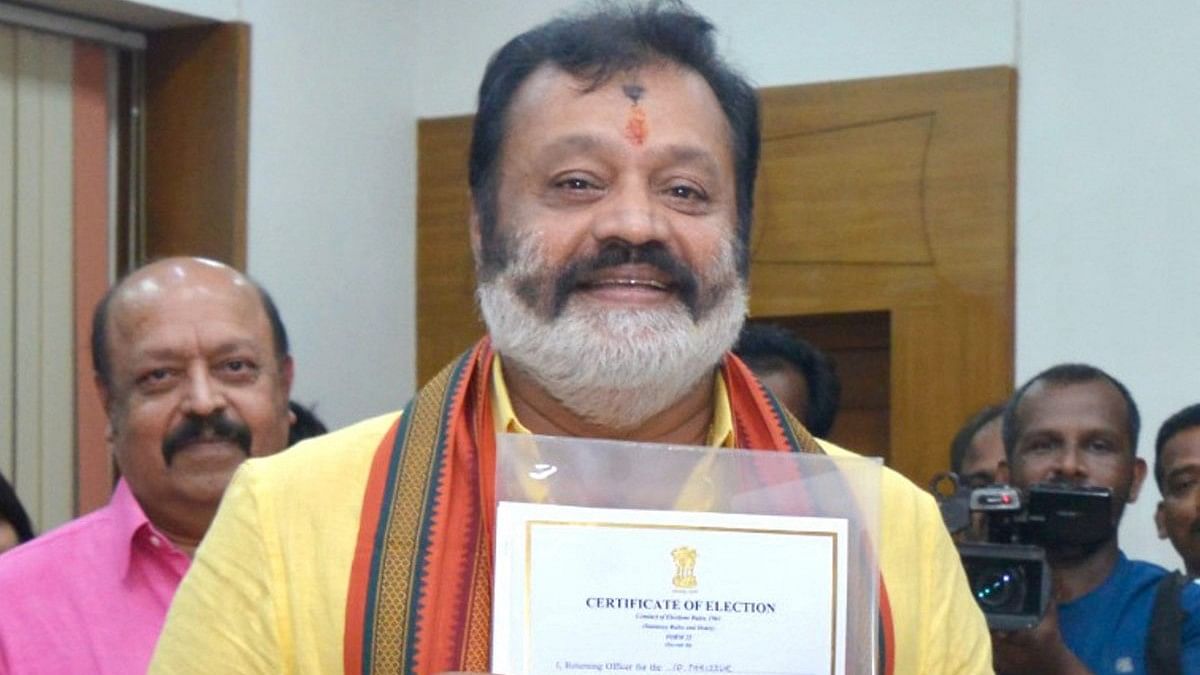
x=214 y=427
x=614 y=254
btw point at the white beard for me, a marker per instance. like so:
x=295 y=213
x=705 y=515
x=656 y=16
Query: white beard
x=614 y=368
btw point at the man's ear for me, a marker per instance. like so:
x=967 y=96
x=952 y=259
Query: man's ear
x=104 y=393
x=1139 y=475
x=1160 y=520
x=476 y=235
x=287 y=371
x=106 y=402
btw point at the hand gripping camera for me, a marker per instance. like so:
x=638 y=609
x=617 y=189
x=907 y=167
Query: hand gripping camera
x=1006 y=563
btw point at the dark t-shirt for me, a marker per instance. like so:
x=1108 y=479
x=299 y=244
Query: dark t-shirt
x=1107 y=628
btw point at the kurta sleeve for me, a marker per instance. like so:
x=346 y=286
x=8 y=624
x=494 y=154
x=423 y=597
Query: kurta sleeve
x=955 y=636
x=937 y=628
x=226 y=615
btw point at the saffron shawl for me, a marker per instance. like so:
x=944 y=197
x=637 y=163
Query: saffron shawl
x=420 y=584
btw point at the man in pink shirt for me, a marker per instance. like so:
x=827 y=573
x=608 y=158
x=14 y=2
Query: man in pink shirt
x=191 y=361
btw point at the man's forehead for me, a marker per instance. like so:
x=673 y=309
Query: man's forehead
x=1065 y=406
x=549 y=92
x=184 y=277
x=630 y=83
x=986 y=440
x=149 y=305
x=1183 y=448
x=150 y=297
x=989 y=428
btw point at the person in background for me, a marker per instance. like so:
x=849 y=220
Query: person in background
x=1075 y=425
x=1177 y=472
x=802 y=377
x=14 y=522
x=191 y=361
x=306 y=424
x=977 y=451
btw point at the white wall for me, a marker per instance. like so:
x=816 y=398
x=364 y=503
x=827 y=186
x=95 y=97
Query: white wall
x=332 y=194
x=773 y=41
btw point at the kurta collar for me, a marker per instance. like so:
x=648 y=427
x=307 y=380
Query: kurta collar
x=720 y=433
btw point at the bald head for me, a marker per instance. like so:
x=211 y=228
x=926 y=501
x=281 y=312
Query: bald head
x=157 y=277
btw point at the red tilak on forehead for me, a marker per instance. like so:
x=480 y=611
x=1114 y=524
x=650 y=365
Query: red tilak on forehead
x=636 y=127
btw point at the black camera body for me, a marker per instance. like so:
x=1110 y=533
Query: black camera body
x=1011 y=582
x=1007 y=568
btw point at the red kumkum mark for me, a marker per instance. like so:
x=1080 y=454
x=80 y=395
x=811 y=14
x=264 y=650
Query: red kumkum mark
x=636 y=127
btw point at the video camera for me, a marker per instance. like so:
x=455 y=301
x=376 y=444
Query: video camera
x=1006 y=563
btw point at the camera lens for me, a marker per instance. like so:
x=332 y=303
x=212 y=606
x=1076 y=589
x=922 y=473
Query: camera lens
x=998 y=587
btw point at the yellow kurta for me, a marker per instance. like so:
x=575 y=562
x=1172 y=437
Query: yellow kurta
x=267 y=590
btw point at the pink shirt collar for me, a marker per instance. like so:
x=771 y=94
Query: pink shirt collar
x=132 y=528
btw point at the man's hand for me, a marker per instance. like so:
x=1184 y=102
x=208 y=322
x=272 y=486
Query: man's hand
x=1035 y=651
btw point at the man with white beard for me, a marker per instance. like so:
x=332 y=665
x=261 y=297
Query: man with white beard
x=612 y=173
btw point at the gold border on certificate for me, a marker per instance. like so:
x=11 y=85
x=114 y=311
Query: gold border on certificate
x=528 y=590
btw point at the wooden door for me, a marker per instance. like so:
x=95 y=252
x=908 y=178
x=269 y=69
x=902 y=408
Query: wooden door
x=882 y=202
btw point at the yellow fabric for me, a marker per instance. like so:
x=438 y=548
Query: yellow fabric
x=267 y=591
x=697 y=494
x=247 y=607
x=720 y=433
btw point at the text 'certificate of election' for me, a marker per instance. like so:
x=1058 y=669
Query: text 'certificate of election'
x=586 y=589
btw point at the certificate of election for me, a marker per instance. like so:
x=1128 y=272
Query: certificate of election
x=582 y=590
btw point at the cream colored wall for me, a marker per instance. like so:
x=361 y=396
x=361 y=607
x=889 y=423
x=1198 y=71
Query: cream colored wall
x=773 y=41
x=333 y=192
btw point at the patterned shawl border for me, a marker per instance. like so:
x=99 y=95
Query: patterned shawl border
x=780 y=426
x=358 y=633
x=451 y=402
x=377 y=550
x=362 y=627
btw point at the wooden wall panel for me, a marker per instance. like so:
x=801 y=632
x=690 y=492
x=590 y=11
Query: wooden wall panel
x=896 y=195
x=90 y=265
x=447 y=320
x=196 y=126
x=859 y=343
x=859 y=195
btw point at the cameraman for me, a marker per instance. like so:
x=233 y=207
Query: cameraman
x=1076 y=425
